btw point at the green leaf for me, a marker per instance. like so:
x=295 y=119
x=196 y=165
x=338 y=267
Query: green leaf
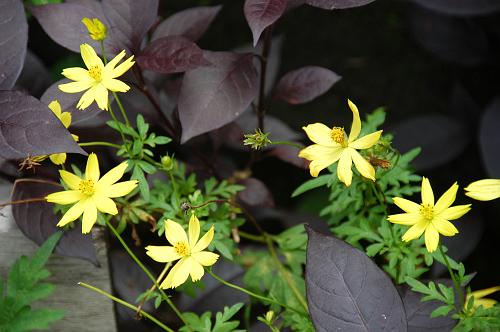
x=374 y=249
x=142 y=126
x=138 y=174
x=441 y=311
x=320 y=181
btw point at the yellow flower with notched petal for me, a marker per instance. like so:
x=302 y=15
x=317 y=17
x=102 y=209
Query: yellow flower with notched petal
x=187 y=249
x=97 y=30
x=433 y=219
x=479 y=297
x=65 y=118
x=332 y=144
x=97 y=79
x=90 y=193
x=484 y=190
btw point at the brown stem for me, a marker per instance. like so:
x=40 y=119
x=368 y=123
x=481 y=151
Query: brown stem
x=24 y=201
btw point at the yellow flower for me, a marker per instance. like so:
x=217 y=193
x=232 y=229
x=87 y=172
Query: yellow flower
x=188 y=249
x=97 y=79
x=332 y=144
x=484 y=190
x=97 y=30
x=478 y=297
x=91 y=193
x=65 y=118
x=429 y=217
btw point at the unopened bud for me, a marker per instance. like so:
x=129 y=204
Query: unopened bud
x=257 y=141
x=270 y=316
x=97 y=30
x=167 y=162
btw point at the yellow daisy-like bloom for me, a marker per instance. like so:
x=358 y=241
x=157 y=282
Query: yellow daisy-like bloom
x=332 y=144
x=97 y=30
x=65 y=118
x=97 y=79
x=479 y=297
x=187 y=249
x=428 y=217
x=91 y=193
x=484 y=190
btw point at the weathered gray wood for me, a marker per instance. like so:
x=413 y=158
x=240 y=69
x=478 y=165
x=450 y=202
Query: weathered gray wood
x=85 y=310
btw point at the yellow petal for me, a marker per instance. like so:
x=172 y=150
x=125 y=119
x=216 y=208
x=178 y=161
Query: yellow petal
x=344 y=171
x=55 y=107
x=407 y=205
x=115 y=85
x=65 y=119
x=194 y=230
x=484 y=190
x=162 y=254
x=108 y=69
x=485 y=292
x=356 y=122
x=175 y=233
x=427 y=194
x=58 y=158
x=101 y=96
x=70 y=179
x=90 y=57
x=197 y=271
x=363 y=166
x=320 y=134
x=485 y=303
x=447 y=199
x=73 y=213
x=112 y=176
x=178 y=274
x=321 y=156
x=74 y=87
x=122 y=68
x=415 y=231
x=431 y=238
x=92 y=169
x=86 y=99
x=77 y=74
x=65 y=197
x=105 y=204
x=405 y=218
x=366 y=141
x=444 y=227
x=205 y=258
x=121 y=188
x=204 y=241
x=454 y=212
x=89 y=217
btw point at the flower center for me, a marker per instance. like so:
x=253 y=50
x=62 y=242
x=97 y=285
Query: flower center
x=95 y=73
x=86 y=187
x=338 y=135
x=427 y=211
x=181 y=248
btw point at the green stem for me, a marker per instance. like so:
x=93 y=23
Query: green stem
x=118 y=124
x=120 y=106
x=255 y=238
x=149 y=274
x=298 y=146
x=100 y=144
x=284 y=272
x=126 y=304
x=455 y=281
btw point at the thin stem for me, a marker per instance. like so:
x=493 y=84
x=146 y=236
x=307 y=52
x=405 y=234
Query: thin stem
x=261 y=112
x=120 y=106
x=118 y=124
x=284 y=272
x=299 y=146
x=160 y=277
x=24 y=201
x=126 y=304
x=100 y=144
x=453 y=277
x=148 y=273
x=252 y=237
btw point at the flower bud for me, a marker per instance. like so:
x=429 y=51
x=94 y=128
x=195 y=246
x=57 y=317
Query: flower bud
x=97 y=30
x=167 y=162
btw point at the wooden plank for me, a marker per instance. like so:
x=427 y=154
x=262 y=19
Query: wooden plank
x=85 y=310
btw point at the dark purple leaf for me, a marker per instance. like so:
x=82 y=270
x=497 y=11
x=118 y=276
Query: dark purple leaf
x=255 y=194
x=444 y=139
x=337 y=4
x=418 y=314
x=289 y=154
x=13 y=41
x=304 y=84
x=172 y=54
x=461 y=7
x=454 y=39
x=291 y=4
x=28 y=127
x=130 y=20
x=489 y=138
x=37 y=220
x=213 y=96
x=68 y=103
x=262 y=13
x=347 y=291
x=34 y=78
x=190 y=23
